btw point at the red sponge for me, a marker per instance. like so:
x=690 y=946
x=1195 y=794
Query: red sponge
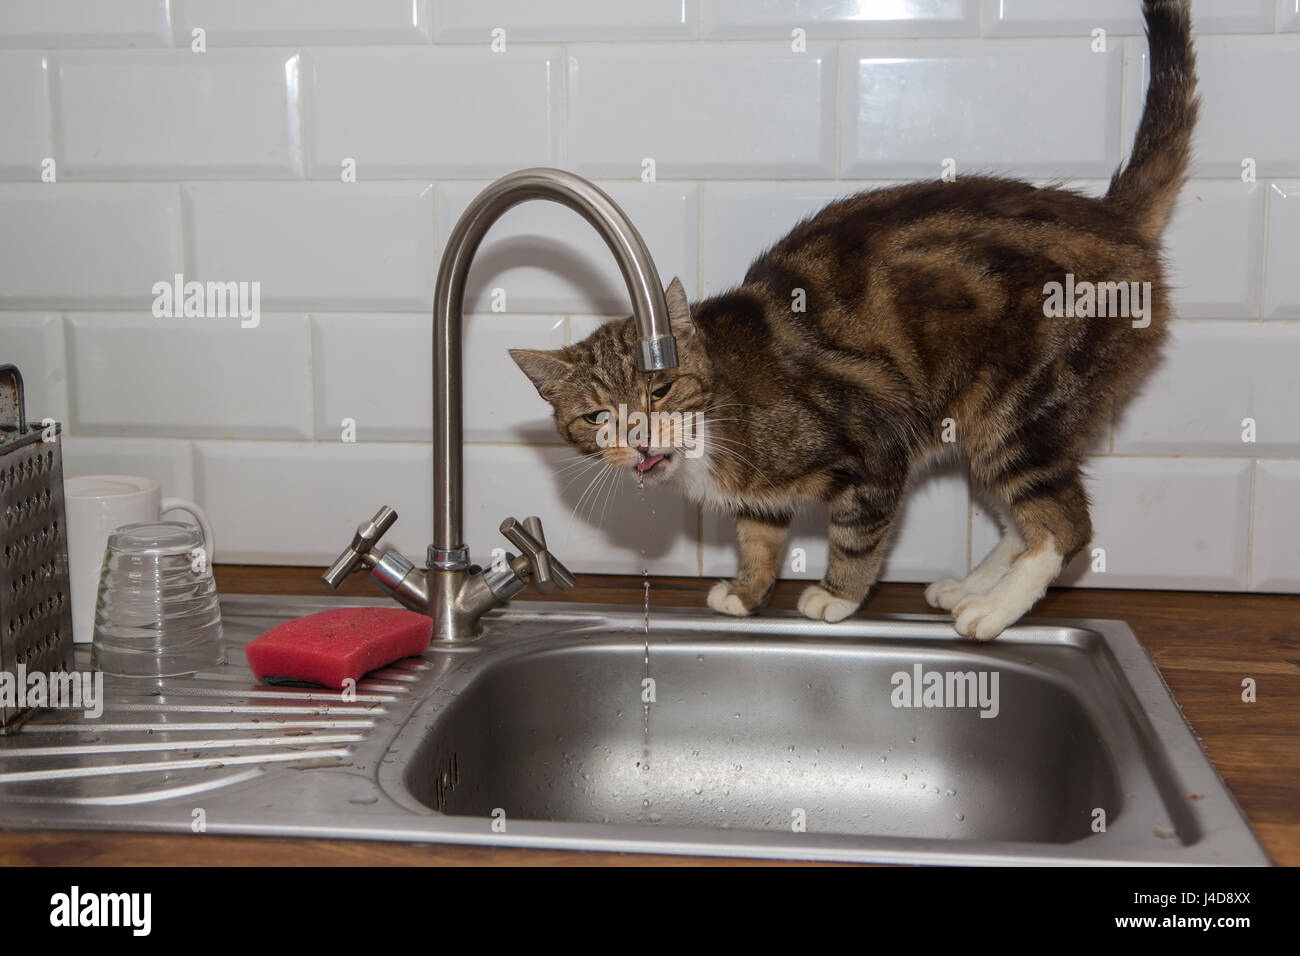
x=331 y=646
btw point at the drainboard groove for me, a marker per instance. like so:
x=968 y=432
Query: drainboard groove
x=245 y=709
x=252 y=725
x=216 y=763
x=181 y=746
x=267 y=693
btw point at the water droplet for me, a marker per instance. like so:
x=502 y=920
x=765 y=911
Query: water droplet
x=960 y=816
x=904 y=776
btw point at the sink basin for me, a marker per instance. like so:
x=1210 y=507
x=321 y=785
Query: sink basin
x=878 y=739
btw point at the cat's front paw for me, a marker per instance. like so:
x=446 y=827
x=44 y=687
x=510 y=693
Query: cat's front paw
x=820 y=605
x=726 y=598
x=946 y=594
x=983 y=617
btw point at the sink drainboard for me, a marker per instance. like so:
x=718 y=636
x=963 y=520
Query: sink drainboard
x=769 y=737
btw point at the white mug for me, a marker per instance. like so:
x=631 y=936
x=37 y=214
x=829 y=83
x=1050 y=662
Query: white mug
x=96 y=506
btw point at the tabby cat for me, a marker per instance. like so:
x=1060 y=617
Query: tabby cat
x=927 y=325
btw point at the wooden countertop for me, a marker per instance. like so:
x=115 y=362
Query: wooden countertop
x=1203 y=643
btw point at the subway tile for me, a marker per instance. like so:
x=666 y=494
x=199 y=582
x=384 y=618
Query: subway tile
x=34 y=342
x=1072 y=18
x=170 y=462
x=396 y=115
x=929 y=542
x=573 y=20
x=548 y=259
x=1288 y=15
x=902 y=116
x=1169 y=523
x=50 y=24
x=500 y=404
x=1282 y=283
x=1061 y=17
x=1214 y=250
x=1215 y=375
x=328 y=246
x=82 y=245
x=840 y=18
x=178 y=115
x=628 y=103
x=739 y=221
x=1175 y=523
x=596 y=522
x=24 y=116
x=1232 y=16
x=400 y=348
x=1246 y=85
x=300 y=503
x=272 y=22
x=189 y=377
x=1275 y=550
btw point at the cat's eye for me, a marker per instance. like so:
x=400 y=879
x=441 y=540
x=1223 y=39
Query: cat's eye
x=662 y=390
x=597 y=418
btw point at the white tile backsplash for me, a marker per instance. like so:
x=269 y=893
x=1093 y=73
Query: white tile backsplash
x=170 y=462
x=24 y=115
x=228 y=114
x=1282 y=269
x=525 y=20
x=1062 y=18
x=500 y=404
x=34 y=342
x=228 y=165
x=546 y=258
x=629 y=103
x=840 y=18
x=1172 y=523
x=300 y=502
x=1253 y=375
x=1215 y=249
x=377 y=112
x=195 y=377
x=740 y=220
x=1247 y=86
x=278 y=22
x=44 y=24
x=316 y=245
x=87 y=245
x=1288 y=14
x=1275 y=556
x=903 y=112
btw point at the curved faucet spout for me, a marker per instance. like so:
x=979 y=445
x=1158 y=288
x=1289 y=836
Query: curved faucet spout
x=657 y=347
x=455 y=595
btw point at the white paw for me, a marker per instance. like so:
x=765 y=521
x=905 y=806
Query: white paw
x=983 y=617
x=724 y=602
x=946 y=593
x=820 y=605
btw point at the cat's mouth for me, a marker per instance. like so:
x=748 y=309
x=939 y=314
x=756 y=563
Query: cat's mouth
x=653 y=464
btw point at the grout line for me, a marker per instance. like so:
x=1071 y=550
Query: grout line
x=837 y=107
x=1264 y=246
x=1250 y=526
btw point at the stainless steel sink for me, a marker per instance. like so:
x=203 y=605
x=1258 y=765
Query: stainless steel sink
x=767 y=737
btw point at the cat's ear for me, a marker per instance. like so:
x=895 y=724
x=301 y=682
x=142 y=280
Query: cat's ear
x=544 y=369
x=679 y=312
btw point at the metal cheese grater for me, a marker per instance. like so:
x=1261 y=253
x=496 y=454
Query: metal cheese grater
x=35 y=609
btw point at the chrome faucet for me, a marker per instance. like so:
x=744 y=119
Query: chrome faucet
x=451 y=591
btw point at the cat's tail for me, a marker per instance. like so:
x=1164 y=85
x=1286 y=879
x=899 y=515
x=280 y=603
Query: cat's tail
x=1148 y=186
